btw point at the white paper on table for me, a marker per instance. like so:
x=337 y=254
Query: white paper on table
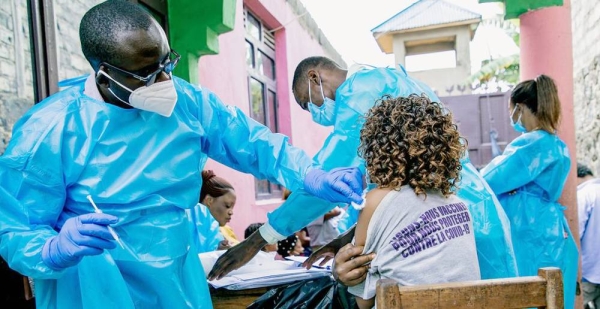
x=259 y=280
x=261 y=271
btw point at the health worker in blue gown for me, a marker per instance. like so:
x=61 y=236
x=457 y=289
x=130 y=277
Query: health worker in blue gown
x=340 y=99
x=133 y=139
x=528 y=179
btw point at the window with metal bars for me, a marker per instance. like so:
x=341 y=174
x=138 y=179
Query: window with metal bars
x=262 y=85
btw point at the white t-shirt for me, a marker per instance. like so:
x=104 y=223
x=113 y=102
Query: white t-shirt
x=322 y=231
x=419 y=241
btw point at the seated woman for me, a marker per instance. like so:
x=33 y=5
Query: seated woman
x=210 y=217
x=420 y=231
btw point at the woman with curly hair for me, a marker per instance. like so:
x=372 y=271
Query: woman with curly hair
x=419 y=230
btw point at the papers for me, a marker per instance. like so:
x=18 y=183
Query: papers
x=264 y=279
x=261 y=271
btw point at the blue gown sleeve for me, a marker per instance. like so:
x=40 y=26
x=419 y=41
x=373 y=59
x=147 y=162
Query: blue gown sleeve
x=522 y=161
x=33 y=193
x=301 y=208
x=205 y=229
x=238 y=141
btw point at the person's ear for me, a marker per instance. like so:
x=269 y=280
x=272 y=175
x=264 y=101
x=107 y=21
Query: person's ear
x=208 y=200
x=313 y=77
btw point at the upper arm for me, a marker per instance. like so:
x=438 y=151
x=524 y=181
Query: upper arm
x=31 y=177
x=372 y=200
x=32 y=171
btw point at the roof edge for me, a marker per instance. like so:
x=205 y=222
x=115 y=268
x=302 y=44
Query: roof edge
x=430 y=27
x=418 y=1
x=406 y=8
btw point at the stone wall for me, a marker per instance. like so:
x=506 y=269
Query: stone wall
x=68 y=14
x=16 y=78
x=586 y=69
x=16 y=74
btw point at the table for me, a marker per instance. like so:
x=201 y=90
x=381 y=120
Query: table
x=240 y=299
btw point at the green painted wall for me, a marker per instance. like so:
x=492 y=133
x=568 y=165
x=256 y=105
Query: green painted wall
x=194 y=28
x=515 y=8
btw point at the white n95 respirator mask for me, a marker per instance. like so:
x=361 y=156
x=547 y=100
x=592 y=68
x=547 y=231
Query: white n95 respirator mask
x=158 y=98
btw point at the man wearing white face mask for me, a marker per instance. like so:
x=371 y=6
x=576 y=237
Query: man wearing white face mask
x=134 y=138
x=341 y=98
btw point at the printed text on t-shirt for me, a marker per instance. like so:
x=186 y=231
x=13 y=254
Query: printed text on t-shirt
x=434 y=227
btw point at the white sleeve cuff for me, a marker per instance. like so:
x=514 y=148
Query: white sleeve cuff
x=269 y=234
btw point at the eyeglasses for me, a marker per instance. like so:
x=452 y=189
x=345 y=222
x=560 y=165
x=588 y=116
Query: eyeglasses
x=167 y=66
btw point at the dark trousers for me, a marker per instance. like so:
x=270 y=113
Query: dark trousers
x=15 y=292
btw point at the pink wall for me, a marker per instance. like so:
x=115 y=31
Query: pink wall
x=546 y=48
x=226 y=75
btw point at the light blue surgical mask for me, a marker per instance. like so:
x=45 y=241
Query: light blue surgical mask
x=324 y=114
x=518 y=126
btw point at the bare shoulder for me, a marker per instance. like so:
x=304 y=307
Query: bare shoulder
x=374 y=197
x=372 y=200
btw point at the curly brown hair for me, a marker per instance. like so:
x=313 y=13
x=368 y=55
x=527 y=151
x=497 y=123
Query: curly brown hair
x=411 y=140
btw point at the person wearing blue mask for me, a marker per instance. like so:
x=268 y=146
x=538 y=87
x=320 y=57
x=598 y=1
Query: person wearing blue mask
x=528 y=179
x=116 y=157
x=340 y=99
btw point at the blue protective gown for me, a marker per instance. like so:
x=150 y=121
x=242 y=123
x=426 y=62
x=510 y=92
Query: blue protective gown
x=205 y=229
x=353 y=100
x=528 y=179
x=139 y=166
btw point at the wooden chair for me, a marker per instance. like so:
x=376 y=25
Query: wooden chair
x=542 y=291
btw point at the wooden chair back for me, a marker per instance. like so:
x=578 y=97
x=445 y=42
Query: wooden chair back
x=542 y=291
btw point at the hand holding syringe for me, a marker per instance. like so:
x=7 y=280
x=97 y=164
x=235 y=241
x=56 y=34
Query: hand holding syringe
x=110 y=229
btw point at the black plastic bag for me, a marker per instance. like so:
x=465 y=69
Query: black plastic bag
x=319 y=293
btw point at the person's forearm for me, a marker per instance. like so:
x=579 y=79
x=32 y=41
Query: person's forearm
x=256 y=240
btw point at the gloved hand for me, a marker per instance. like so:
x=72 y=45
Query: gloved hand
x=340 y=185
x=80 y=236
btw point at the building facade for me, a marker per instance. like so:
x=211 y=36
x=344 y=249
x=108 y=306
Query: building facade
x=254 y=70
x=432 y=28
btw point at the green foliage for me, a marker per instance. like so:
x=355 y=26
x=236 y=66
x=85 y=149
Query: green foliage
x=503 y=70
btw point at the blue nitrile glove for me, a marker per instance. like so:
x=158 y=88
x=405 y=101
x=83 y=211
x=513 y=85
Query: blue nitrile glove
x=340 y=185
x=80 y=236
